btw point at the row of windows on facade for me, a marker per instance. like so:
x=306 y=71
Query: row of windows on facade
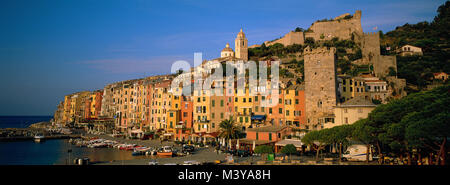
x=376 y=89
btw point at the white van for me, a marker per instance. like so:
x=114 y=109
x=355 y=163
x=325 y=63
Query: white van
x=357 y=152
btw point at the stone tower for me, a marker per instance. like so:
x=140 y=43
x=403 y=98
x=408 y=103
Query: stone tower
x=320 y=85
x=241 y=46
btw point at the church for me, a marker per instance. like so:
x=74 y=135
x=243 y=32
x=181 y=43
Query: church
x=241 y=46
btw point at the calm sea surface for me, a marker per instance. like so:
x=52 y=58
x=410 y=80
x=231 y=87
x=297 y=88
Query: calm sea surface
x=21 y=121
x=50 y=152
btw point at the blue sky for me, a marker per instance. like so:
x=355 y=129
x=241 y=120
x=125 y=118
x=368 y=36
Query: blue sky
x=49 y=48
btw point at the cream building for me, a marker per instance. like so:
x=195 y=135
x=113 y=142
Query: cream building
x=351 y=111
x=410 y=50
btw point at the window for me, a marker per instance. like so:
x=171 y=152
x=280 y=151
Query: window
x=221 y=103
x=280 y=110
x=213 y=103
x=270 y=136
x=257 y=136
x=212 y=115
x=287 y=112
x=346 y=120
x=221 y=115
x=256 y=98
x=296 y=101
x=270 y=110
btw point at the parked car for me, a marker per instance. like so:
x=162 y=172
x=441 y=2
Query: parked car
x=188 y=149
x=242 y=153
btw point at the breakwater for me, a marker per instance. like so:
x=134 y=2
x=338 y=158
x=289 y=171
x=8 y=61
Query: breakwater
x=18 y=134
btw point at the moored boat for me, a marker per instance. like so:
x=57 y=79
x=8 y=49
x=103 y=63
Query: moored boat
x=38 y=137
x=165 y=151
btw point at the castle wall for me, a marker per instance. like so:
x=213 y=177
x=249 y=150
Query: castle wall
x=289 y=39
x=320 y=84
x=382 y=65
x=338 y=27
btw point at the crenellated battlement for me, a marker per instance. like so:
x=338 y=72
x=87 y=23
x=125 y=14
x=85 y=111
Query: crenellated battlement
x=372 y=33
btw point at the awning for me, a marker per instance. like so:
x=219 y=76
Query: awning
x=295 y=142
x=258 y=117
x=137 y=131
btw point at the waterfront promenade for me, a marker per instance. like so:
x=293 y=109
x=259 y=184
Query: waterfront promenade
x=209 y=155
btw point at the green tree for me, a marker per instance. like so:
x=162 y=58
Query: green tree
x=264 y=149
x=317 y=139
x=289 y=149
x=364 y=133
x=228 y=129
x=340 y=135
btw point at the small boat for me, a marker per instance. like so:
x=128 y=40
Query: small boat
x=38 y=137
x=140 y=151
x=165 y=151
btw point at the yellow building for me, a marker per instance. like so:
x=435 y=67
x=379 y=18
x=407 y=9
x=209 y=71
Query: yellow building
x=243 y=106
x=351 y=111
x=350 y=87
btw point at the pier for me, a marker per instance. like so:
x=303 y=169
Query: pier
x=18 y=134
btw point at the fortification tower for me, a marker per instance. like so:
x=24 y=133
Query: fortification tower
x=241 y=46
x=320 y=85
x=370 y=47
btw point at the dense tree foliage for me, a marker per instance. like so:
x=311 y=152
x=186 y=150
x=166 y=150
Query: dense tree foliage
x=416 y=124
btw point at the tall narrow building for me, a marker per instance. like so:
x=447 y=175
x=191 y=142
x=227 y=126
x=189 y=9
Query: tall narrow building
x=241 y=46
x=320 y=86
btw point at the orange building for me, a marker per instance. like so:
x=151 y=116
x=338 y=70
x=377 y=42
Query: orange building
x=268 y=133
x=275 y=114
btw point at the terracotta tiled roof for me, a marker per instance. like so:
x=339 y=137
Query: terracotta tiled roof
x=358 y=101
x=267 y=129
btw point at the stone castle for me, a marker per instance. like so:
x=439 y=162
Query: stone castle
x=345 y=27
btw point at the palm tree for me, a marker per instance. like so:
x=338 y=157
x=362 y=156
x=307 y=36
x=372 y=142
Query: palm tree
x=228 y=129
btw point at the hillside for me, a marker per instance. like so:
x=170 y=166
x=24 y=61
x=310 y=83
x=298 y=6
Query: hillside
x=432 y=37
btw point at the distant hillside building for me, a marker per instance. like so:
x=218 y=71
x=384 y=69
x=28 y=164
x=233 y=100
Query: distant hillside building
x=409 y=50
x=440 y=76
